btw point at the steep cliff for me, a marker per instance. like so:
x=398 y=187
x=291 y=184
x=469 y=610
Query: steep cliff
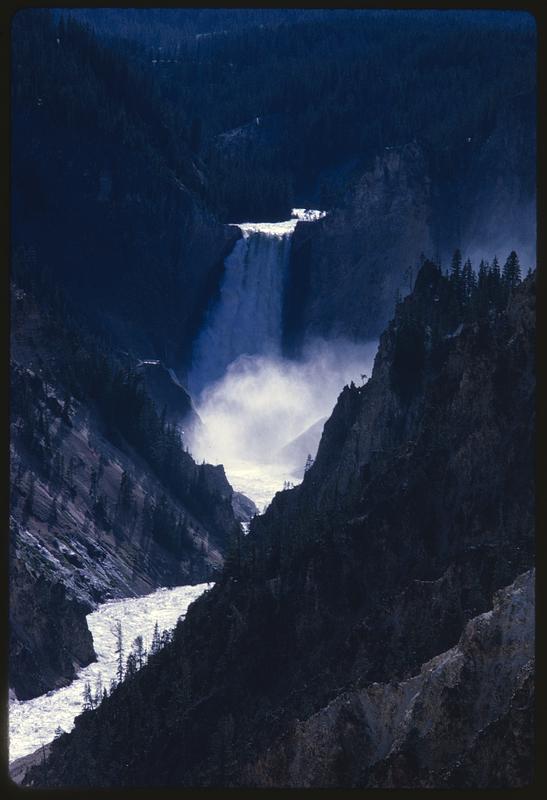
x=119 y=194
x=168 y=393
x=97 y=508
x=49 y=638
x=360 y=585
x=348 y=268
x=424 y=732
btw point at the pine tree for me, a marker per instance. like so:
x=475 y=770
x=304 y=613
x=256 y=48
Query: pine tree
x=44 y=765
x=140 y=652
x=456 y=292
x=496 y=288
x=156 y=642
x=147 y=516
x=70 y=473
x=125 y=494
x=98 y=690
x=58 y=466
x=118 y=632
x=88 y=697
x=468 y=279
x=511 y=271
x=100 y=511
x=93 y=483
x=130 y=665
x=455 y=266
x=47 y=439
x=52 y=517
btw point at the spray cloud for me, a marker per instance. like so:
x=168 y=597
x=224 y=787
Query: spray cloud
x=266 y=413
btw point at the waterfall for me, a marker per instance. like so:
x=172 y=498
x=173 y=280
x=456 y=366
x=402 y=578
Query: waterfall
x=247 y=318
x=261 y=415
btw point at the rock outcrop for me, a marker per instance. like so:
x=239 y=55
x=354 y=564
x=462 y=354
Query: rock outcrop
x=348 y=268
x=424 y=731
x=49 y=638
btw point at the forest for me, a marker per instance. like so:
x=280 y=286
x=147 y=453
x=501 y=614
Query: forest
x=269 y=105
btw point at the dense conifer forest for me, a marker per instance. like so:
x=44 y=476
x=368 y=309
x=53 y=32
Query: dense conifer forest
x=269 y=104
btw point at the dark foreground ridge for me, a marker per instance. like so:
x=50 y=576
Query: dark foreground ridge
x=350 y=640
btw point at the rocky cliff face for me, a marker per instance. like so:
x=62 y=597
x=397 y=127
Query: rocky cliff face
x=355 y=620
x=168 y=393
x=424 y=731
x=92 y=518
x=347 y=268
x=423 y=366
x=361 y=249
x=49 y=637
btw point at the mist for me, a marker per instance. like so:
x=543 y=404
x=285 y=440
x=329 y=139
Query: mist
x=489 y=237
x=263 y=417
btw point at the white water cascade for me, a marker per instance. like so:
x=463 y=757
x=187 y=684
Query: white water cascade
x=262 y=414
x=247 y=318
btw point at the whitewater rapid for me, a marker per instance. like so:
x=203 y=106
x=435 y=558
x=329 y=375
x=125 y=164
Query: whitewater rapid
x=34 y=722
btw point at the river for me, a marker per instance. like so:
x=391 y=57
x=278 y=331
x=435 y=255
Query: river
x=34 y=722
